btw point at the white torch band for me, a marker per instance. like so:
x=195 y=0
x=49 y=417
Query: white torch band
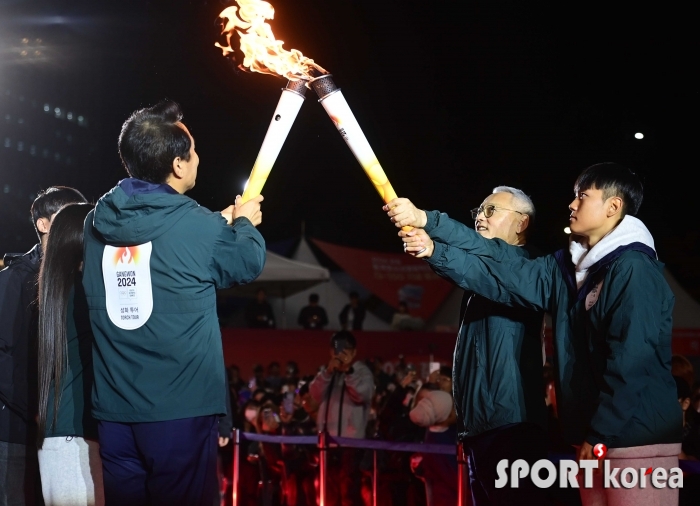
x=282 y=121
x=339 y=111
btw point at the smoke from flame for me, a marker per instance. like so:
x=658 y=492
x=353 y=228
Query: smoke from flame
x=262 y=52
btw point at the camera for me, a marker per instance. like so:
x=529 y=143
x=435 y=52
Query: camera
x=339 y=346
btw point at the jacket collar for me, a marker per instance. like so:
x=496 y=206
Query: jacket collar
x=132 y=186
x=628 y=231
x=34 y=256
x=563 y=258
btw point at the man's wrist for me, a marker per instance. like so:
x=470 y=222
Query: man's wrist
x=423 y=218
x=435 y=253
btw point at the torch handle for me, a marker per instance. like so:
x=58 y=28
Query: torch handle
x=390 y=195
x=282 y=121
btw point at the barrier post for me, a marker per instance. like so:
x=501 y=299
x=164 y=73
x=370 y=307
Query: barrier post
x=374 y=478
x=236 y=440
x=322 y=463
x=461 y=475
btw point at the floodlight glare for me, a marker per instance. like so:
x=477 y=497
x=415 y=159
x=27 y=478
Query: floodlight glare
x=639 y=135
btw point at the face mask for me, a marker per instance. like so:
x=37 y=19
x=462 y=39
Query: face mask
x=250 y=414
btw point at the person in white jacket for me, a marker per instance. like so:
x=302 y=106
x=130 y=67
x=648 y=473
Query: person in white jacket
x=343 y=391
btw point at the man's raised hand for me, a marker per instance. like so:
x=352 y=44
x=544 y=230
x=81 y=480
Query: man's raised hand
x=417 y=243
x=403 y=213
x=333 y=365
x=250 y=210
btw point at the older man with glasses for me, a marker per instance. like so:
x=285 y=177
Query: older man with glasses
x=498 y=359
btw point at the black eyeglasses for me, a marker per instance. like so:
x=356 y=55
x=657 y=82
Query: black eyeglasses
x=489 y=209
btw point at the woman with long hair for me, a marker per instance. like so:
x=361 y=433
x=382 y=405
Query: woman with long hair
x=69 y=460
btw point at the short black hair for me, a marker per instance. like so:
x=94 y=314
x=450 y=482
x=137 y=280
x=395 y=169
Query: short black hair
x=354 y=295
x=614 y=180
x=51 y=200
x=682 y=388
x=446 y=370
x=346 y=337
x=313 y=297
x=150 y=140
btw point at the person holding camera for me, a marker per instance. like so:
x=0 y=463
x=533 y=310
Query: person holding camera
x=344 y=393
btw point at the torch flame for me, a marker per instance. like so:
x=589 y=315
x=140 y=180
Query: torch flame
x=263 y=53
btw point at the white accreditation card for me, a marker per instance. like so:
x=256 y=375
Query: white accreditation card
x=127 y=277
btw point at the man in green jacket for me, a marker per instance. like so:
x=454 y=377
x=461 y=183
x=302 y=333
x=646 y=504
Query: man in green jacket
x=611 y=314
x=153 y=261
x=497 y=371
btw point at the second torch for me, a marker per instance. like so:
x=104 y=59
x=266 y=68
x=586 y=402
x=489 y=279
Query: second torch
x=332 y=100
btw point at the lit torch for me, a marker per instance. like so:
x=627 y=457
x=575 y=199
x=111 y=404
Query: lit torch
x=332 y=100
x=264 y=54
x=282 y=120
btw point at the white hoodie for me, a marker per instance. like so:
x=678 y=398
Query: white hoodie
x=629 y=230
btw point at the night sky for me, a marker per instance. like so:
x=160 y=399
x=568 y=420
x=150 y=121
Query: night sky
x=454 y=97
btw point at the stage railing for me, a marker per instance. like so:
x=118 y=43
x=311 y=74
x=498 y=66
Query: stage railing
x=323 y=441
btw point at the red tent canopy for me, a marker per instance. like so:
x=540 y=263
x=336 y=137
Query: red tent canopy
x=392 y=277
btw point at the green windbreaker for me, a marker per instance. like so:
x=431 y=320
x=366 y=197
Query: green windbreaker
x=497 y=371
x=153 y=261
x=74 y=417
x=613 y=354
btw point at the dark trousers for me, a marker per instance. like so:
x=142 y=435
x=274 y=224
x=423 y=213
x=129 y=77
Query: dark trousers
x=518 y=441
x=344 y=480
x=160 y=463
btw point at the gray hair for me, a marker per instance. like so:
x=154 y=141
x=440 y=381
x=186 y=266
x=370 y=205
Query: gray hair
x=524 y=203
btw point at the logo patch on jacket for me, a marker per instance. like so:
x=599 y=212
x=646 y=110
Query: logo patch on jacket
x=593 y=295
x=126 y=272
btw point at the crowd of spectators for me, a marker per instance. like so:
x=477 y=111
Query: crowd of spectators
x=392 y=403
x=400 y=407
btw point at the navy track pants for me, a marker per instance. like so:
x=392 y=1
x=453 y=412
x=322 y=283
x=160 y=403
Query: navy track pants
x=160 y=463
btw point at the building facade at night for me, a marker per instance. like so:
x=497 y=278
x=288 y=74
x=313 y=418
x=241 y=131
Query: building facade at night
x=46 y=134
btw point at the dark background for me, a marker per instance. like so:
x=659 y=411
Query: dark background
x=455 y=98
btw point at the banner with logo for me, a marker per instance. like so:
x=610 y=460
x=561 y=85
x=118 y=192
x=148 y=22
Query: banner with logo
x=392 y=277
